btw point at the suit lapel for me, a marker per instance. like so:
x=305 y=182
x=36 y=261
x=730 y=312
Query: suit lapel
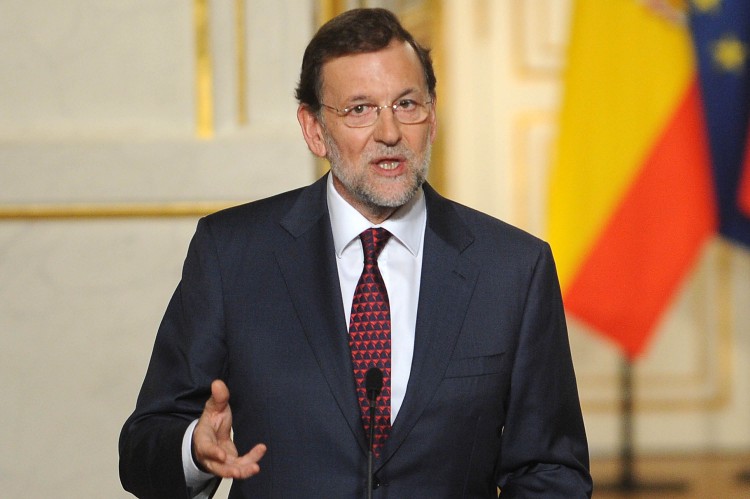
x=309 y=269
x=446 y=287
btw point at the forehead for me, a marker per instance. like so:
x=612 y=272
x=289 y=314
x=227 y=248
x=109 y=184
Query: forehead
x=386 y=73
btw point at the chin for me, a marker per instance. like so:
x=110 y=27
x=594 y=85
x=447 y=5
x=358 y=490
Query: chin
x=393 y=198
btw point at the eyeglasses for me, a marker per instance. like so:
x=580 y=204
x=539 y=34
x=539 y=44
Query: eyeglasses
x=406 y=111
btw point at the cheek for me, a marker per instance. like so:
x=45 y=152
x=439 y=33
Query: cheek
x=344 y=136
x=419 y=140
x=354 y=148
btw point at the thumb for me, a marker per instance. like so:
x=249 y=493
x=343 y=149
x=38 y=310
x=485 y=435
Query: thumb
x=219 y=397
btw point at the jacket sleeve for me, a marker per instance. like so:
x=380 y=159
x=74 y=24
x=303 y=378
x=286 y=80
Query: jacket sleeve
x=188 y=354
x=544 y=453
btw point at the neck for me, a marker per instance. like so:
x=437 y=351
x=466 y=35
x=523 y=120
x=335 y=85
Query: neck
x=376 y=214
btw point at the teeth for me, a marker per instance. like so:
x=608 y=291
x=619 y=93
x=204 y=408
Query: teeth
x=389 y=165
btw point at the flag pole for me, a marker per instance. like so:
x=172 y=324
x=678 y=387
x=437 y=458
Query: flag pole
x=627 y=456
x=627 y=481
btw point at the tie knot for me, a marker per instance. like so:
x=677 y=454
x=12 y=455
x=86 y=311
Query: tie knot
x=373 y=241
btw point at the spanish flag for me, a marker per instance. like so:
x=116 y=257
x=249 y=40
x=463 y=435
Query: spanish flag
x=631 y=200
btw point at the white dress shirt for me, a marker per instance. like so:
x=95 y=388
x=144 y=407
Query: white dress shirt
x=400 y=264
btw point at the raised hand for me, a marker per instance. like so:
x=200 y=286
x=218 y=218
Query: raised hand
x=213 y=447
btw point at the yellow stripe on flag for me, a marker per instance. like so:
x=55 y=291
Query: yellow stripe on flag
x=628 y=68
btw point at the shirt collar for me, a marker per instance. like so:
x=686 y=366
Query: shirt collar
x=407 y=224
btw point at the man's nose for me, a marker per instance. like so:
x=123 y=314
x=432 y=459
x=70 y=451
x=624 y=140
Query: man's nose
x=387 y=127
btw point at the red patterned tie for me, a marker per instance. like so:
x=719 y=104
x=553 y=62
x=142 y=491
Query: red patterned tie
x=370 y=334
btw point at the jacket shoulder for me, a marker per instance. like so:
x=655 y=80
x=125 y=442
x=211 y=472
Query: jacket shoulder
x=487 y=233
x=272 y=207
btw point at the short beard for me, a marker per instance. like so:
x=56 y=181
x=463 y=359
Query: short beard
x=368 y=194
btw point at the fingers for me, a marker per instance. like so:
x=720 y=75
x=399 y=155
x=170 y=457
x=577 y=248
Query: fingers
x=206 y=446
x=212 y=444
x=238 y=467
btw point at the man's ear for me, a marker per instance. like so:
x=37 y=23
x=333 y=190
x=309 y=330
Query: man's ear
x=433 y=120
x=312 y=130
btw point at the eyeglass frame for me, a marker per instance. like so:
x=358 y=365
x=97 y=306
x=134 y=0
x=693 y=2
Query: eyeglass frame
x=343 y=113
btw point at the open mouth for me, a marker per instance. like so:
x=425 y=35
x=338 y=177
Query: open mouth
x=388 y=165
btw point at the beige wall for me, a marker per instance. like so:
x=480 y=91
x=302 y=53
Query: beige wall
x=99 y=108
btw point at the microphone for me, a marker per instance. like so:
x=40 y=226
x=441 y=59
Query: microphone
x=373 y=386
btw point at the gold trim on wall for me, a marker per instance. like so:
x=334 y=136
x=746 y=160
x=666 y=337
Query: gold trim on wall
x=203 y=71
x=241 y=49
x=111 y=210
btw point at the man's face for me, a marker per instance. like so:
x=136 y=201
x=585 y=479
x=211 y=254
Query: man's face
x=380 y=167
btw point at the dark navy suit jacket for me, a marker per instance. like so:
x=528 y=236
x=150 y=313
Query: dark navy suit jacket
x=491 y=400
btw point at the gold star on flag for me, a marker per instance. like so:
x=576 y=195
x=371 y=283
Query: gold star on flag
x=730 y=53
x=707 y=5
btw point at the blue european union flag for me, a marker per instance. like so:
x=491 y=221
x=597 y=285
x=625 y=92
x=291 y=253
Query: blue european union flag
x=721 y=34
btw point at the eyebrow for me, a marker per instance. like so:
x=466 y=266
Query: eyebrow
x=366 y=98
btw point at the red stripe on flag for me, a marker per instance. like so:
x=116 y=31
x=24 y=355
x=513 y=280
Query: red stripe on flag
x=653 y=237
x=744 y=192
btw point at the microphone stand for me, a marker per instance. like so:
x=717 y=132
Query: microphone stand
x=373 y=386
x=370 y=451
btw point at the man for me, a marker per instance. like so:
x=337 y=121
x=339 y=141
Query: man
x=479 y=390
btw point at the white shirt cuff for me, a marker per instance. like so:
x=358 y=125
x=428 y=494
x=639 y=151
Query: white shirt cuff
x=198 y=482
